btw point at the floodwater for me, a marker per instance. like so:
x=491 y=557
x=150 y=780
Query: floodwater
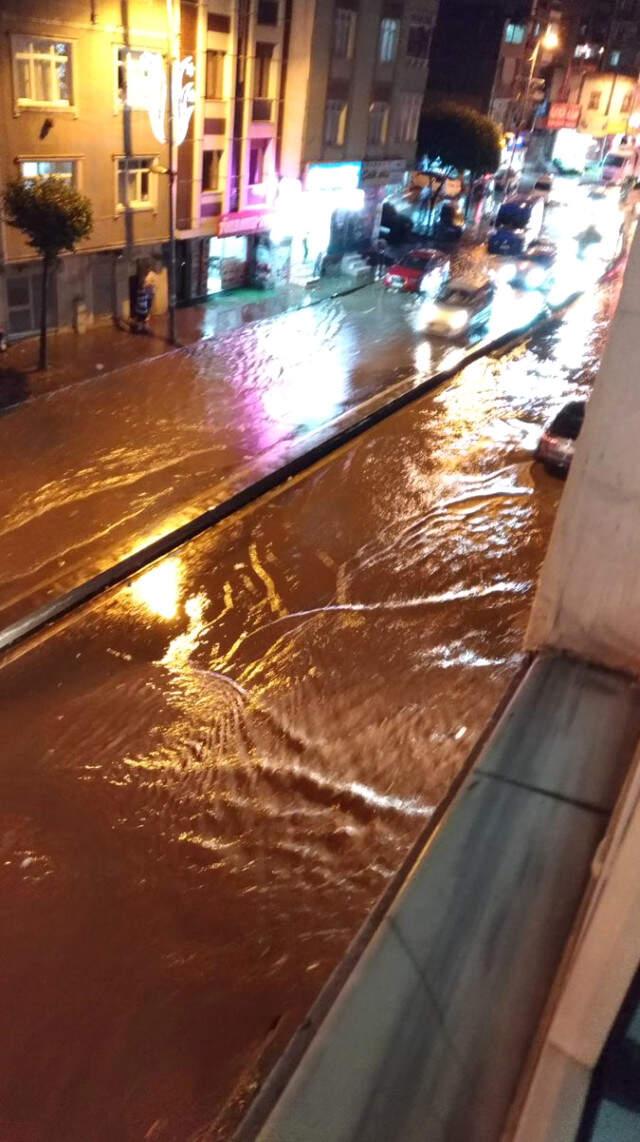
x=209 y=777
x=96 y=471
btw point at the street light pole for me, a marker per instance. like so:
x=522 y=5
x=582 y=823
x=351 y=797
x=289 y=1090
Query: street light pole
x=549 y=40
x=172 y=57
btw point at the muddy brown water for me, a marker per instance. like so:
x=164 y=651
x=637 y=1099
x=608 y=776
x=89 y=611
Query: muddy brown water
x=209 y=777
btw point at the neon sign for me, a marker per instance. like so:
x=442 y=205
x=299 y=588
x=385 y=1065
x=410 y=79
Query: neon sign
x=183 y=93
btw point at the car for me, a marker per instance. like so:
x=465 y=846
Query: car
x=543 y=183
x=409 y=272
x=535 y=269
x=462 y=305
x=506 y=181
x=450 y=223
x=557 y=443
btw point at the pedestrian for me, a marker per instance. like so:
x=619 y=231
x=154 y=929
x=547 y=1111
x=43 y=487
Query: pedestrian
x=142 y=308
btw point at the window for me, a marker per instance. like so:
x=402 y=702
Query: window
x=514 y=33
x=388 y=45
x=42 y=71
x=344 y=33
x=409 y=117
x=378 y=122
x=419 y=40
x=211 y=170
x=262 y=73
x=626 y=103
x=257 y=153
x=614 y=59
x=214 y=83
x=64 y=169
x=335 y=122
x=136 y=188
x=134 y=77
x=268 y=12
x=594 y=101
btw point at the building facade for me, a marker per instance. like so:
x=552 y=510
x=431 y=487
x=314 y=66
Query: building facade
x=66 y=111
x=301 y=115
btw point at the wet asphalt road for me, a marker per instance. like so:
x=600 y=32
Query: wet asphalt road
x=210 y=775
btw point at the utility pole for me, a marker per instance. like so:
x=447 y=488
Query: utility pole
x=172 y=57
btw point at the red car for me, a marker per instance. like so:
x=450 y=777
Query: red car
x=410 y=272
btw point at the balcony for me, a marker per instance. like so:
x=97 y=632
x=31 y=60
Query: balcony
x=262 y=111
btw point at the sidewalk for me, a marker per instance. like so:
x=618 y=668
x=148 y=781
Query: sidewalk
x=105 y=347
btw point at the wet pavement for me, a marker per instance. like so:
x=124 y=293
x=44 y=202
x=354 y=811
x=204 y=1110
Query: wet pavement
x=209 y=776
x=93 y=472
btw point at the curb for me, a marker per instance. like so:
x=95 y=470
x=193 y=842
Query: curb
x=21 y=629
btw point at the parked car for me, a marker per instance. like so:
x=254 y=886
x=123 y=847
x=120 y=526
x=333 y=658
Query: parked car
x=543 y=183
x=506 y=181
x=461 y=306
x=416 y=267
x=450 y=223
x=535 y=269
x=558 y=441
x=518 y=223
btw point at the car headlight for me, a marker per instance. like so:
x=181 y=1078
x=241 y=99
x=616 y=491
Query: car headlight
x=535 y=277
x=459 y=318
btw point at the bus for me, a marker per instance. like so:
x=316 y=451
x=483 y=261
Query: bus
x=517 y=224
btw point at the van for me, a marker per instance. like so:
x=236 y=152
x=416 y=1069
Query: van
x=517 y=224
x=618 y=165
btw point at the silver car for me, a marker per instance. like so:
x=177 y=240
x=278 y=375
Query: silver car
x=460 y=307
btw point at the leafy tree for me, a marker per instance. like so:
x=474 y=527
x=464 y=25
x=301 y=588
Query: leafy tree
x=456 y=140
x=53 y=216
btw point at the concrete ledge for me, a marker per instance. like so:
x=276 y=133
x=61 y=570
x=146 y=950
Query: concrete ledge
x=431 y=1030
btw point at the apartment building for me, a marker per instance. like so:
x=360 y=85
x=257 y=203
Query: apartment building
x=356 y=75
x=293 y=120
x=71 y=105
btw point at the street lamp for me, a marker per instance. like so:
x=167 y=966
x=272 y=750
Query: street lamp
x=549 y=41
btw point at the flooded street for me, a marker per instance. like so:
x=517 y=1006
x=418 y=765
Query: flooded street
x=210 y=776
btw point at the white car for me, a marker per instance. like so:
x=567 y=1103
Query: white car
x=461 y=306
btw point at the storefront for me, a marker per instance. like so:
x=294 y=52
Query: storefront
x=232 y=253
x=381 y=179
x=328 y=220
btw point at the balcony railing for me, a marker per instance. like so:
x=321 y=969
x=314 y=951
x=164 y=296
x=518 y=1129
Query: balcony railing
x=262 y=110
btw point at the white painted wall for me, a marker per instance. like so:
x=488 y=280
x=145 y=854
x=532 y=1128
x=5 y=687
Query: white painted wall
x=588 y=599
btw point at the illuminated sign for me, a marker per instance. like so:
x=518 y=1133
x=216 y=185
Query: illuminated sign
x=244 y=222
x=382 y=172
x=183 y=92
x=563 y=115
x=332 y=176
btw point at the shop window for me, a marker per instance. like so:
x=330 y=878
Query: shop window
x=211 y=161
x=64 y=169
x=419 y=41
x=214 y=84
x=257 y=155
x=344 y=33
x=133 y=76
x=268 y=12
x=388 y=44
x=136 y=184
x=42 y=72
x=335 y=121
x=408 y=119
x=614 y=59
x=378 y=123
x=594 y=101
x=514 y=33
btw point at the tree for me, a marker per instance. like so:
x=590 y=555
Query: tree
x=53 y=216
x=456 y=140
